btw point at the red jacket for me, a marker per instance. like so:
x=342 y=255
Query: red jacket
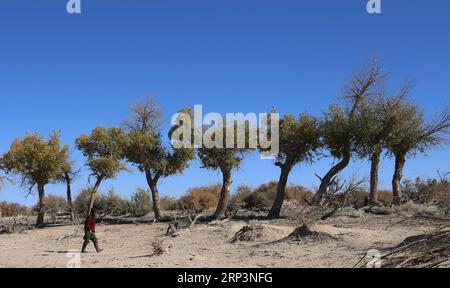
x=89 y=224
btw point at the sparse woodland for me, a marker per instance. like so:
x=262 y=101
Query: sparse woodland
x=368 y=122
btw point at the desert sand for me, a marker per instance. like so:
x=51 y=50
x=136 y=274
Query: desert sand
x=208 y=244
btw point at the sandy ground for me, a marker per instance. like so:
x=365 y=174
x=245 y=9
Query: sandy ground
x=208 y=245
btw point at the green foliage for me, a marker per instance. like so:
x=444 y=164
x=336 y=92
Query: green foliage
x=35 y=159
x=145 y=147
x=141 y=203
x=336 y=132
x=407 y=131
x=225 y=159
x=104 y=149
x=299 y=139
x=412 y=134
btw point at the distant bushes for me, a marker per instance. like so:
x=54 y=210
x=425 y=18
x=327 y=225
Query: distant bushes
x=428 y=191
x=168 y=203
x=199 y=199
x=54 y=205
x=141 y=203
x=262 y=197
x=385 y=197
x=109 y=204
x=13 y=209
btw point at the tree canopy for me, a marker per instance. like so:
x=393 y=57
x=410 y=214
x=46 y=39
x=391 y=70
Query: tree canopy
x=146 y=150
x=37 y=161
x=299 y=142
x=104 y=149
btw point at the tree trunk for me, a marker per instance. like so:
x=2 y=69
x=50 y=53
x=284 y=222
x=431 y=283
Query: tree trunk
x=152 y=184
x=279 y=198
x=41 y=206
x=155 y=197
x=396 y=179
x=374 y=163
x=326 y=180
x=224 y=194
x=93 y=192
x=69 y=196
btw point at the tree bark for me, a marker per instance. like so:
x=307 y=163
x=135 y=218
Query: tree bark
x=41 y=206
x=326 y=180
x=396 y=179
x=93 y=192
x=224 y=194
x=279 y=198
x=374 y=163
x=69 y=196
x=153 y=185
x=155 y=197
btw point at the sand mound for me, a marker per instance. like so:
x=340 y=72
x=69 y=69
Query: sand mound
x=259 y=232
x=248 y=233
x=304 y=232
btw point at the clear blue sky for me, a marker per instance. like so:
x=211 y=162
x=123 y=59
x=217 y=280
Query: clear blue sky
x=74 y=72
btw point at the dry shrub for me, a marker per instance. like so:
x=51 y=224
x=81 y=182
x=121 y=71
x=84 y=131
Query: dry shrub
x=417 y=209
x=13 y=209
x=357 y=198
x=109 y=204
x=263 y=196
x=349 y=212
x=158 y=247
x=201 y=198
x=303 y=232
x=384 y=197
x=248 y=233
x=298 y=193
x=435 y=191
x=420 y=251
x=141 y=203
x=168 y=203
x=236 y=200
x=54 y=205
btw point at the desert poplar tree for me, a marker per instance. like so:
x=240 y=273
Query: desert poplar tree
x=38 y=161
x=337 y=124
x=104 y=150
x=412 y=134
x=225 y=158
x=299 y=142
x=146 y=150
x=375 y=119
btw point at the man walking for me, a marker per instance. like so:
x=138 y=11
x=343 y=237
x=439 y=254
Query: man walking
x=89 y=232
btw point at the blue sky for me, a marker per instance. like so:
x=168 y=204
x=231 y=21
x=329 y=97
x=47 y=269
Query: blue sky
x=74 y=72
